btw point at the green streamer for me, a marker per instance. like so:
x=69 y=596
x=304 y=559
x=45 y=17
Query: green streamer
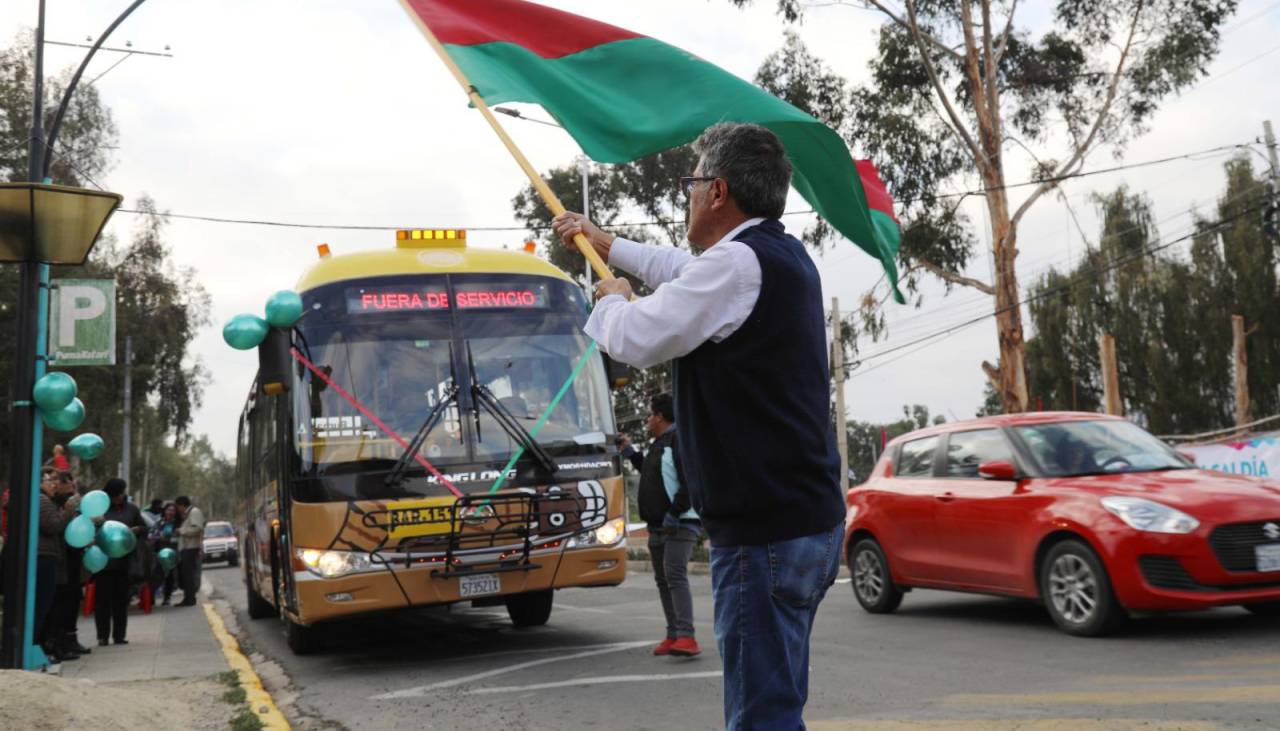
x=533 y=433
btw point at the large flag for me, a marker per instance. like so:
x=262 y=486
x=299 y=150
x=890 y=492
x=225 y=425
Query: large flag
x=623 y=96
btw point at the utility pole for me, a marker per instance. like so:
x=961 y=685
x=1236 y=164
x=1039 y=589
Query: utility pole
x=1270 y=136
x=126 y=445
x=1110 y=375
x=1271 y=209
x=1241 y=358
x=837 y=368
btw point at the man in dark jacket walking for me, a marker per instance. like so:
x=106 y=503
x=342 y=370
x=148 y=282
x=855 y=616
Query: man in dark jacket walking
x=674 y=528
x=745 y=326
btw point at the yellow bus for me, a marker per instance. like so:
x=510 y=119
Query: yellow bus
x=436 y=428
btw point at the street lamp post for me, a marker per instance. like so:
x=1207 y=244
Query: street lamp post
x=40 y=224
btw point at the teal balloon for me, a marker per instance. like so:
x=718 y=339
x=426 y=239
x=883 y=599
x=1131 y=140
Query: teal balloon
x=284 y=308
x=86 y=446
x=115 y=539
x=69 y=419
x=54 y=392
x=79 y=532
x=168 y=558
x=244 y=332
x=94 y=559
x=94 y=504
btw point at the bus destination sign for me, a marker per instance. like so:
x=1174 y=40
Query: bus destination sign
x=425 y=298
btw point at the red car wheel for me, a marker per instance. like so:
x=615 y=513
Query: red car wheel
x=1077 y=591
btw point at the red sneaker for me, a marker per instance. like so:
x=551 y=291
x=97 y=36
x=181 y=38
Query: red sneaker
x=685 y=647
x=664 y=647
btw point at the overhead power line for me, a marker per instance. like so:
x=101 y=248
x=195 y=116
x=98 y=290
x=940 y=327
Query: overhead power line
x=661 y=222
x=1096 y=271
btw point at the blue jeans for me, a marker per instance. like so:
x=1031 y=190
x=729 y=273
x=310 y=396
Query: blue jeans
x=765 y=600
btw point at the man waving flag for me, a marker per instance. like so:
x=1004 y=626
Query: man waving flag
x=623 y=96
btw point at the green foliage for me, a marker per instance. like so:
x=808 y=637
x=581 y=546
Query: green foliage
x=1171 y=316
x=160 y=306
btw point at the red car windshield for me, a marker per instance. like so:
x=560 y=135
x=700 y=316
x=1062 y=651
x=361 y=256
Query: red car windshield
x=1074 y=448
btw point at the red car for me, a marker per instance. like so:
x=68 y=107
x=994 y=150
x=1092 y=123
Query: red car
x=1087 y=513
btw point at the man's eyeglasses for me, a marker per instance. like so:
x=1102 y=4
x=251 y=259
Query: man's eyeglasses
x=686 y=183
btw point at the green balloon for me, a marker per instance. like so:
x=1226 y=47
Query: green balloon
x=115 y=539
x=86 y=446
x=244 y=332
x=94 y=559
x=68 y=419
x=54 y=392
x=95 y=504
x=284 y=308
x=79 y=532
x=168 y=558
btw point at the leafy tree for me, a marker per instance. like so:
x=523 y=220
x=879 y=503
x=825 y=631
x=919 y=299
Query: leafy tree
x=955 y=82
x=1171 y=317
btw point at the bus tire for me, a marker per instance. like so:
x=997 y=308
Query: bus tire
x=302 y=640
x=531 y=609
x=259 y=608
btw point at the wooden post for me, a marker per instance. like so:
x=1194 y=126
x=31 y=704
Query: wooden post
x=837 y=371
x=1110 y=375
x=1241 y=358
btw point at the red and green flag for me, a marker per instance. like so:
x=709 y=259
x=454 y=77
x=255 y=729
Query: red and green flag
x=623 y=96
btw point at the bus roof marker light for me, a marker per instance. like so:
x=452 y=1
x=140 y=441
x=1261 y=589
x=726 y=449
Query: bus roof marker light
x=530 y=247
x=323 y=250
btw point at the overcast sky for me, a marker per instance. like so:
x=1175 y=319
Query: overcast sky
x=336 y=112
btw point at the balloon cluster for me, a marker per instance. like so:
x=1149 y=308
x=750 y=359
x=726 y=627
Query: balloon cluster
x=112 y=539
x=245 y=332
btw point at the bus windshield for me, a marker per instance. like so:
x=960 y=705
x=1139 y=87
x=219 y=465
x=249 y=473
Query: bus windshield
x=384 y=373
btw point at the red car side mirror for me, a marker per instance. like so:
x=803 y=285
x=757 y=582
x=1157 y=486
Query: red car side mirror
x=998 y=470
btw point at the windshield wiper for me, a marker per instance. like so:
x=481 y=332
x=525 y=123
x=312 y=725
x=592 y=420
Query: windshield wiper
x=397 y=473
x=484 y=397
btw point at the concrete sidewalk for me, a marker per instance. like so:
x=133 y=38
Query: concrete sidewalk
x=171 y=642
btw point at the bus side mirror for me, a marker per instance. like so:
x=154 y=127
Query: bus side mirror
x=275 y=362
x=619 y=374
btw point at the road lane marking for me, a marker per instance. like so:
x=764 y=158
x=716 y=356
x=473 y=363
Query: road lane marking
x=843 y=581
x=425 y=689
x=1114 y=680
x=1222 y=694
x=597 y=681
x=593 y=610
x=1010 y=724
x=1236 y=661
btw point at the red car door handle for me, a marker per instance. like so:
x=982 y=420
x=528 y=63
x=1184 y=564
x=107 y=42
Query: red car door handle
x=945 y=497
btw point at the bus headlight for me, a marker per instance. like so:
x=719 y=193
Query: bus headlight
x=607 y=534
x=333 y=564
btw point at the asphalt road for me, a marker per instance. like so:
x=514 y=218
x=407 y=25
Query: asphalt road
x=942 y=661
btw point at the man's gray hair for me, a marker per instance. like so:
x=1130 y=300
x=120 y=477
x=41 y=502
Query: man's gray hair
x=752 y=161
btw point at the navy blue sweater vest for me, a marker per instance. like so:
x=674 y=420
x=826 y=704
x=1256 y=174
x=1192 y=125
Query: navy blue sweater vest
x=754 y=415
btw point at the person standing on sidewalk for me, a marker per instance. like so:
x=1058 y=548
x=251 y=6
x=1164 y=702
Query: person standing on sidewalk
x=56 y=510
x=111 y=605
x=62 y=634
x=674 y=528
x=745 y=326
x=190 y=547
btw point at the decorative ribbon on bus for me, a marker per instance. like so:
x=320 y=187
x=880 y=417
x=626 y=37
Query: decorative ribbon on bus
x=389 y=299
x=373 y=418
x=533 y=433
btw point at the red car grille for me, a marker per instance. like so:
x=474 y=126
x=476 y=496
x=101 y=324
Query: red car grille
x=1234 y=544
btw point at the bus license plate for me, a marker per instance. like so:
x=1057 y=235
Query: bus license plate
x=478 y=585
x=1268 y=557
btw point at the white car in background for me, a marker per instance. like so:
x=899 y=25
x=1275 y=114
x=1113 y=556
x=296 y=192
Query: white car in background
x=220 y=543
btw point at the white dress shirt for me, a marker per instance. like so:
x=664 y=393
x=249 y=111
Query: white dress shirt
x=696 y=299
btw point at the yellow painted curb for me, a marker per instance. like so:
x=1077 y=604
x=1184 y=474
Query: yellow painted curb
x=257 y=696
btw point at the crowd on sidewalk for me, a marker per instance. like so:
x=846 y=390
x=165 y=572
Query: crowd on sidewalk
x=63 y=583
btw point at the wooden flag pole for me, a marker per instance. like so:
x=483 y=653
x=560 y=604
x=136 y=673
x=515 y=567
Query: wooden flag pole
x=540 y=185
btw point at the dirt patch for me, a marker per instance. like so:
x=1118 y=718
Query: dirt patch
x=42 y=702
